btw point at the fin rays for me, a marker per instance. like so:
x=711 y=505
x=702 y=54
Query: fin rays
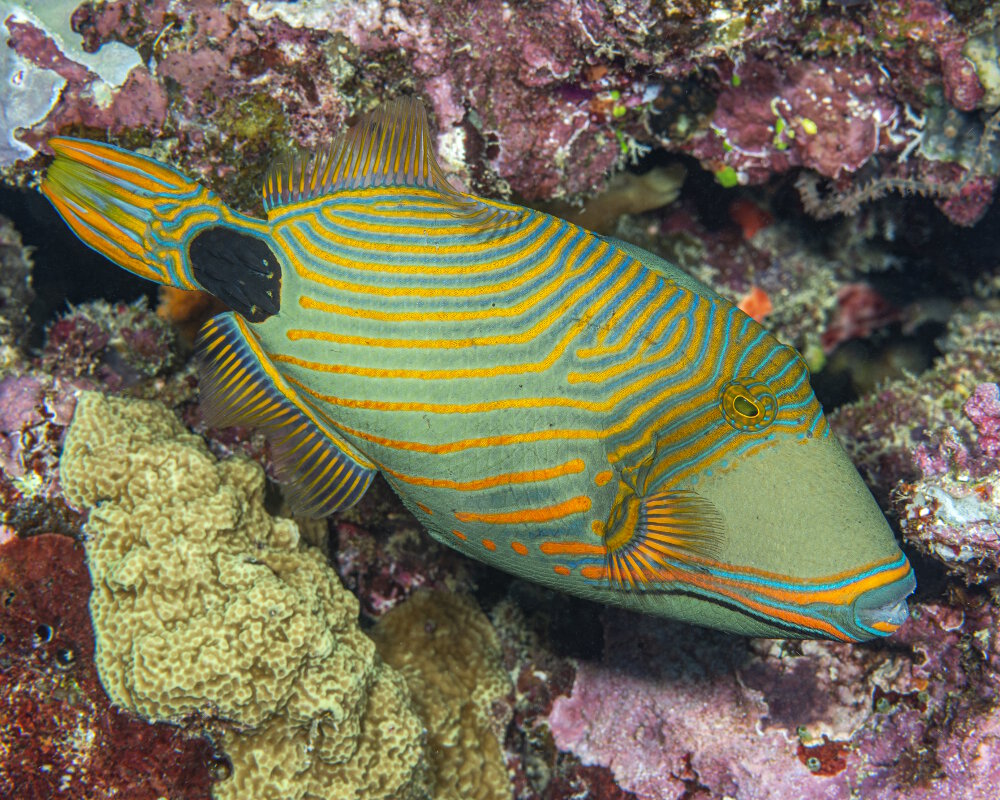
x=320 y=473
x=654 y=531
x=389 y=147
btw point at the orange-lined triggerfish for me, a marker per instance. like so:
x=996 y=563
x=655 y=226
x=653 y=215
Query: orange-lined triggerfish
x=565 y=406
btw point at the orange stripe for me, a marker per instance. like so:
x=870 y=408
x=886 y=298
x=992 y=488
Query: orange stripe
x=460 y=535
x=489 y=544
x=519 y=548
x=504 y=479
x=803 y=620
x=572 y=549
x=559 y=569
x=575 y=505
x=103 y=245
x=89 y=154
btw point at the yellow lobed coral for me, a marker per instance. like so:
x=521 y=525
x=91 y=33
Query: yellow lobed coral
x=449 y=654
x=203 y=604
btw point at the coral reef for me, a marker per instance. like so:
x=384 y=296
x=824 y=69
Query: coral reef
x=919 y=426
x=59 y=734
x=15 y=293
x=383 y=556
x=542 y=102
x=932 y=441
x=447 y=651
x=118 y=345
x=203 y=604
x=34 y=412
x=952 y=513
x=674 y=715
x=839 y=111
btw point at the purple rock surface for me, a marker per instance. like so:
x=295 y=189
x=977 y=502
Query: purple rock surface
x=541 y=101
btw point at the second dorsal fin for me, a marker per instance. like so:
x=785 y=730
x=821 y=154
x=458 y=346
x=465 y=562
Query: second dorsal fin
x=390 y=146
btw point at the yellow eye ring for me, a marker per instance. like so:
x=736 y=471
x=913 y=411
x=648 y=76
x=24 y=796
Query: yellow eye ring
x=747 y=406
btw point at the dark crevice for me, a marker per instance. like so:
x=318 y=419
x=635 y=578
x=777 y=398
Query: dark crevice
x=66 y=270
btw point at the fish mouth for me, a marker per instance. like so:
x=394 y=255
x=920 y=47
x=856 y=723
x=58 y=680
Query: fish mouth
x=882 y=610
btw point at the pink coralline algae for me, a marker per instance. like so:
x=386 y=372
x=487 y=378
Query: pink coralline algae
x=928 y=446
x=141 y=101
x=118 y=344
x=540 y=101
x=34 y=412
x=983 y=410
x=15 y=292
x=926 y=425
x=953 y=512
x=828 y=115
x=676 y=715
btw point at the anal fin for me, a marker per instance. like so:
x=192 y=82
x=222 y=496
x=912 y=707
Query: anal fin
x=321 y=472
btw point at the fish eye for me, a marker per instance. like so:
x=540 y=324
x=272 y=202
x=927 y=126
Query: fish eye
x=748 y=406
x=745 y=406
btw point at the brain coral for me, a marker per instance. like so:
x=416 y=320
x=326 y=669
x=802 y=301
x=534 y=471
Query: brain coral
x=203 y=604
x=449 y=654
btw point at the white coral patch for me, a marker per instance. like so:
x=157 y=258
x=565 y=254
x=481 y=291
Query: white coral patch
x=28 y=92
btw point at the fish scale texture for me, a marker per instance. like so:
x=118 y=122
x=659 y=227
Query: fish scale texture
x=205 y=605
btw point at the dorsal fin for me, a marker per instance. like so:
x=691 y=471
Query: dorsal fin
x=390 y=146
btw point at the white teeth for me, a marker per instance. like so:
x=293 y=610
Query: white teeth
x=894 y=614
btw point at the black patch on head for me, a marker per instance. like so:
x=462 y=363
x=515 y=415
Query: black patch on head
x=239 y=269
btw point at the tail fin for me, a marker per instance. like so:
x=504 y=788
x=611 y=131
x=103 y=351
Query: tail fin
x=139 y=213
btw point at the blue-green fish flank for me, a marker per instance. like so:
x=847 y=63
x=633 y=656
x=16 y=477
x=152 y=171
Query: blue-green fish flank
x=565 y=406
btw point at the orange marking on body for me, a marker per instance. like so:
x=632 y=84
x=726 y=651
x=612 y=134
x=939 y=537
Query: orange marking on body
x=559 y=569
x=460 y=535
x=504 y=479
x=885 y=627
x=737 y=590
x=602 y=477
x=489 y=544
x=424 y=508
x=572 y=549
x=519 y=548
x=598 y=527
x=575 y=505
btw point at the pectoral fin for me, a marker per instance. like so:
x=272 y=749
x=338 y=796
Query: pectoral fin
x=321 y=472
x=647 y=535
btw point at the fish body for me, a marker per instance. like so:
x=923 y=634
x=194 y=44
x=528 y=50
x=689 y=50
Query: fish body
x=564 y=406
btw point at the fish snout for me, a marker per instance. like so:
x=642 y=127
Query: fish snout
x=806 y=549
x=882 y=610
